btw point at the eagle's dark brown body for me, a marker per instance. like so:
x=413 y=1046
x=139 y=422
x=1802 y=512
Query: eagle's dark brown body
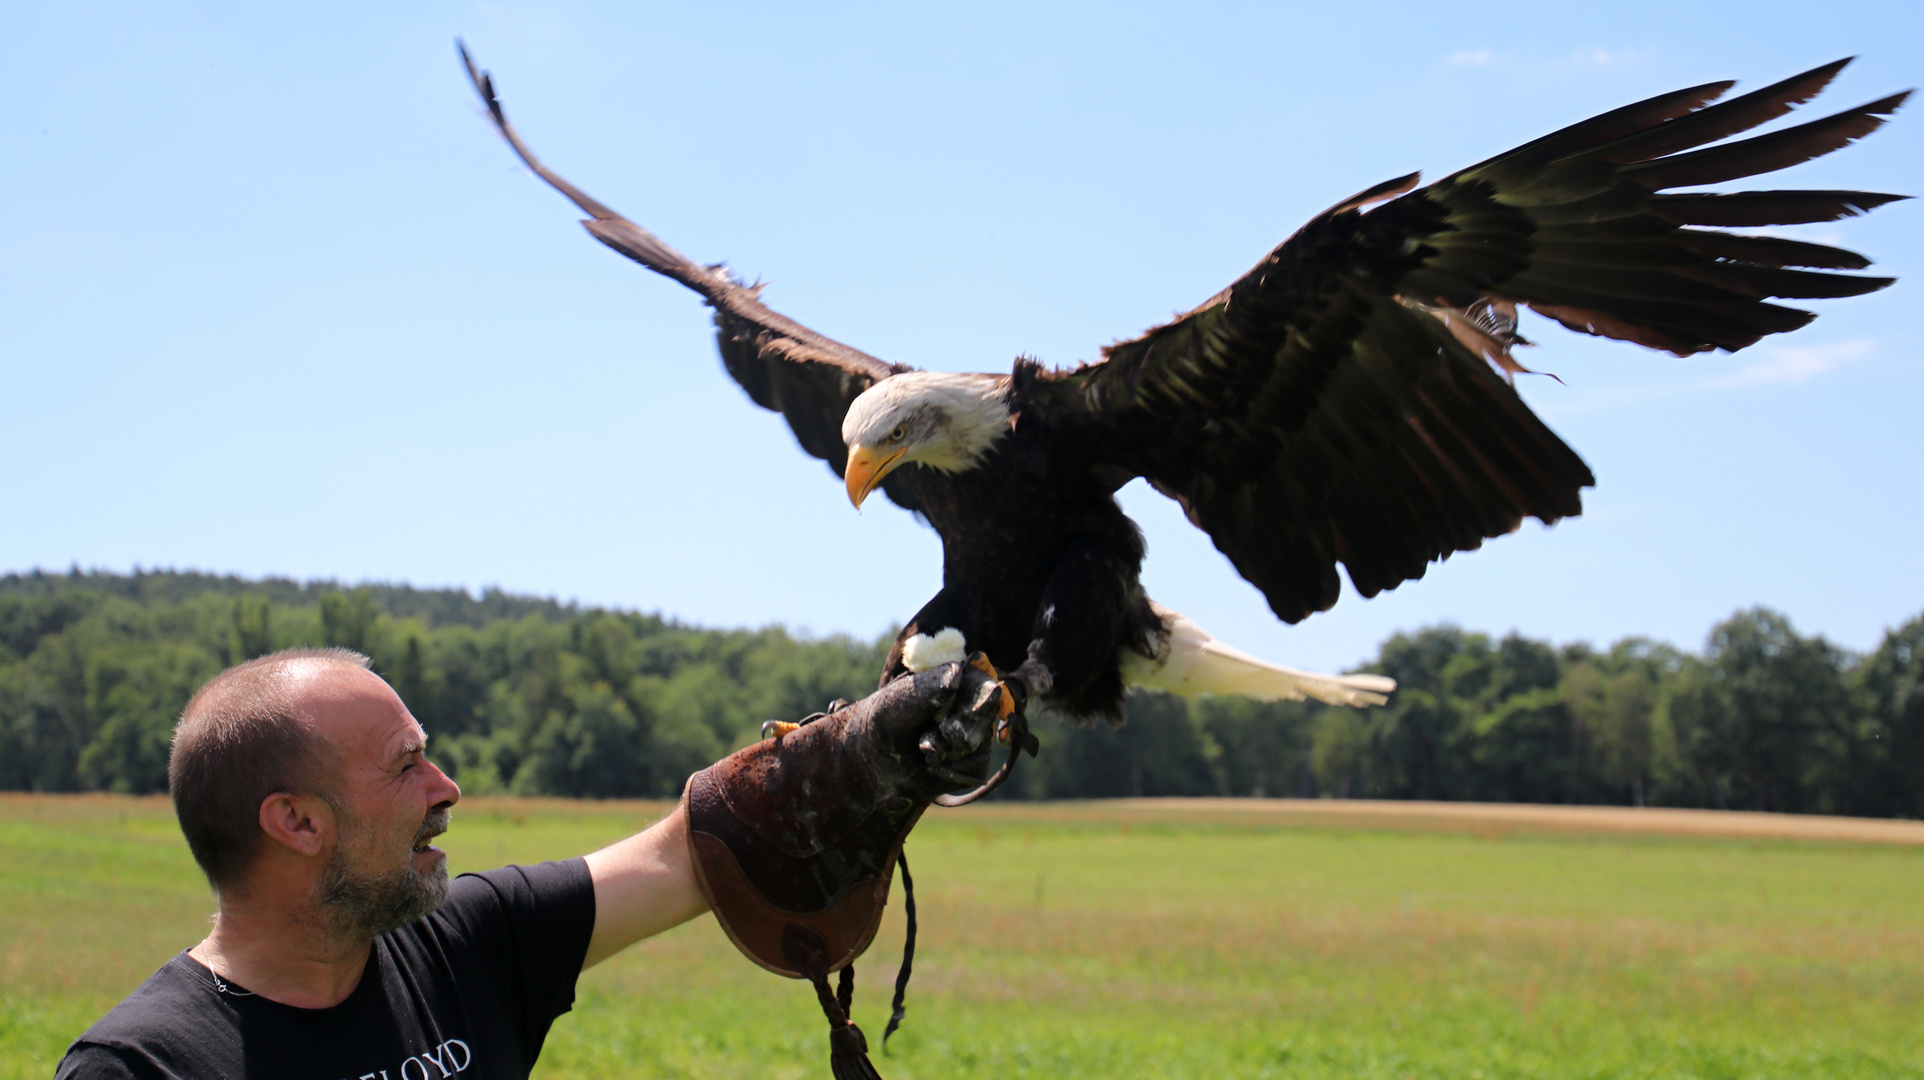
x=1028 y=538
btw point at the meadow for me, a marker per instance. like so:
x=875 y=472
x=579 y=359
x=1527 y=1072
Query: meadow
x=1197 y=938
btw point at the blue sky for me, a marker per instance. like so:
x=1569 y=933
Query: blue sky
x=275 y=300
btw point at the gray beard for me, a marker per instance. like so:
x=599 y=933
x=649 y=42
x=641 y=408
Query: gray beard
x=361 y=907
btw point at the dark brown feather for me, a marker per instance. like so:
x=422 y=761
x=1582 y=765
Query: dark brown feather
x=1714 y=122
x=1767 y=250
x=1605 y=127
x=1762 y=281
x=1752 y=209
x=1765 y=153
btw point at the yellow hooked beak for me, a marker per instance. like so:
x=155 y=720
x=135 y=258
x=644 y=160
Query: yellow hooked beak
x=866 y=468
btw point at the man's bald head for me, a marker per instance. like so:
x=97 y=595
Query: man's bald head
x=246 y=734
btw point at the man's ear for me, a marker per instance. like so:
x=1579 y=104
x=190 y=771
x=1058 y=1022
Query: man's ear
x=301 y=823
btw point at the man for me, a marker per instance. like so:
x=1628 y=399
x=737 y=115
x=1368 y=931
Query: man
x=341 y=951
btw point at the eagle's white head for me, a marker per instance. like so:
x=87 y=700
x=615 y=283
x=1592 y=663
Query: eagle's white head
x=931 y=418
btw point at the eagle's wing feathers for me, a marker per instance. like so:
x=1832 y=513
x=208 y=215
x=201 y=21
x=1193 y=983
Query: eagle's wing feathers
x=1339 y=403
x=785 y=367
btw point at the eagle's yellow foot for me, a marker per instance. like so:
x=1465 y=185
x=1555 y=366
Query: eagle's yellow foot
x=775 y=729
x=980 y=662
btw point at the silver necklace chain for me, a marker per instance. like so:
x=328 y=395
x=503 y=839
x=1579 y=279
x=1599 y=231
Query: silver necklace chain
x=221 y=987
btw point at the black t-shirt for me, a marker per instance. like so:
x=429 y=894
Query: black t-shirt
x=467 y=992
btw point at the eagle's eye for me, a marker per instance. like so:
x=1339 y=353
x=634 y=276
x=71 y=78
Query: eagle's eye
x=901 y=432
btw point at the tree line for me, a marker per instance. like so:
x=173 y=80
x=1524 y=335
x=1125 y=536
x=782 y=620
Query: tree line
x=530 y=696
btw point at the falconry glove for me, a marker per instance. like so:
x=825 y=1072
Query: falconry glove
x=795 y=839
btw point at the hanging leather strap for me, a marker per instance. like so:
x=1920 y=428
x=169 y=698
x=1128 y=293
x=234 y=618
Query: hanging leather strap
x=899 y=1007
x=847 y=1046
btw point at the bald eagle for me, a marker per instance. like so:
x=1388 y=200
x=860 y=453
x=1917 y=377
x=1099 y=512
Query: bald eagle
x=1348 y=400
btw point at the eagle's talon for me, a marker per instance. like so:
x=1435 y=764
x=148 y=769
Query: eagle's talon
x=775 y=729
x=1010 y=703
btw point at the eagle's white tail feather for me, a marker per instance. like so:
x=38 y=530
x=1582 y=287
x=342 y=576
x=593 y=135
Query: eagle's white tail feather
x=1191 y=662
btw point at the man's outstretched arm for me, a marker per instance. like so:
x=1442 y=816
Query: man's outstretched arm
x=643 y=885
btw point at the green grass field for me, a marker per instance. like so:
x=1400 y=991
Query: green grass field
x=1085 y=941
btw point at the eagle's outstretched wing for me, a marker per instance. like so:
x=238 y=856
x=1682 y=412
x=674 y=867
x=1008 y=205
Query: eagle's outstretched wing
x=1335 y=404
x=785 y=367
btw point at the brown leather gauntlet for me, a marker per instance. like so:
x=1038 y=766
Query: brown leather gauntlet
x=795 y=838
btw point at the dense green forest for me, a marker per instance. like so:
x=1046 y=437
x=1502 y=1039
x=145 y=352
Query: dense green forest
x=532 y=696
